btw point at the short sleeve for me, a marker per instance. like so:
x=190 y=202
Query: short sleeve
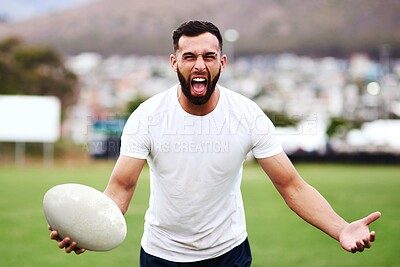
x=135 y=140
x=264 y=139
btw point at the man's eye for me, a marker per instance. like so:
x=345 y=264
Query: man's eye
x=210 y=56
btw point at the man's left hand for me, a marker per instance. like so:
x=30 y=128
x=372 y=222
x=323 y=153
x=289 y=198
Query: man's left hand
x=356 y=236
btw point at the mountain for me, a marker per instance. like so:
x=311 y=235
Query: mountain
x=312 y=27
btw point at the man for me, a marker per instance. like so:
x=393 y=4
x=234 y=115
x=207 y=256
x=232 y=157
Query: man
x=195 y=137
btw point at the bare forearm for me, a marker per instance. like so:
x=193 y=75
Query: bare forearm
x=310 y=205
x=302 y=198
x=123 y=180
x=120 y=195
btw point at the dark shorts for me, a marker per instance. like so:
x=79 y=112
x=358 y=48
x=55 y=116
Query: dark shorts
x=239 y=256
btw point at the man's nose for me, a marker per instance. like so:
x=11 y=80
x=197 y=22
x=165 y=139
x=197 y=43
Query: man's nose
x=199 y=65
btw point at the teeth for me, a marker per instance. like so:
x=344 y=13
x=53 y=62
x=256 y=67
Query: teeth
x=199 y=80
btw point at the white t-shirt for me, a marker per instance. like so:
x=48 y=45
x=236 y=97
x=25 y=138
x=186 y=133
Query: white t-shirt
x=196 y=209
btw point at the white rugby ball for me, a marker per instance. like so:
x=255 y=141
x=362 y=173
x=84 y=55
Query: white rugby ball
x=86 y=215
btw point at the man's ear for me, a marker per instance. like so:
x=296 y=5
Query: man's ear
x=173 y=62
x=223 y=61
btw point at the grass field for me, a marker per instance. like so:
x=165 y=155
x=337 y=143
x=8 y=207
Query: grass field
x=277 y=236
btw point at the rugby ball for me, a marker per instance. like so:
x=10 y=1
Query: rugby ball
x=86 y=215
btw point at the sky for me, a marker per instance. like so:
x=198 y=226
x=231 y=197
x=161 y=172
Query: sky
x=17 y=10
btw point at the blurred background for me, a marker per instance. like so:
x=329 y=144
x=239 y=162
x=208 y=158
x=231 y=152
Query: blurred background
x=325 y=71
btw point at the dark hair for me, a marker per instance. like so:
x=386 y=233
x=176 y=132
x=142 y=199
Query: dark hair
x=195 y=28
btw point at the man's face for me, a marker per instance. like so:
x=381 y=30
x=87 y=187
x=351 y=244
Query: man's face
x=198 y=63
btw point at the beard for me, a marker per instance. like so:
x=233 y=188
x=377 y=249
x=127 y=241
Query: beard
x=198 y=100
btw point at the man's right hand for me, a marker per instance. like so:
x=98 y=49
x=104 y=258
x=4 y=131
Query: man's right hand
x=65 y=243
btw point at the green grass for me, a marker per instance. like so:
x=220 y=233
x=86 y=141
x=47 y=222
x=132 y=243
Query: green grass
x=277 y=236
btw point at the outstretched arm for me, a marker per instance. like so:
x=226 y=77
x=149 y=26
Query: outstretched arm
x=310 y=205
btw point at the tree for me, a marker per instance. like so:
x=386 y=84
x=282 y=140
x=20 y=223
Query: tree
x=134 y=104
x=35 y=70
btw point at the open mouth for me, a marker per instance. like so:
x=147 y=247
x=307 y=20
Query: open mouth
x=199 y=86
